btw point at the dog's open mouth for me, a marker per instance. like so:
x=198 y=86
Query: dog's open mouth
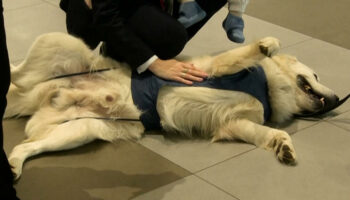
x=323 y=104
x=308 y=90
x=319 y=99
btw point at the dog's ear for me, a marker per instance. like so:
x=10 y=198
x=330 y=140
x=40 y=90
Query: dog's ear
x=285 y=60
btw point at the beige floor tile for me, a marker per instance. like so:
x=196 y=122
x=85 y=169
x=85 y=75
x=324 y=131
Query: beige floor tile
x=53 y=2
x=25 y=24
x=194 y=154
x=322 y=171
x=323 y=19
x=13 y=133
x=189 y=188
x=16 y=4
x=342 y=121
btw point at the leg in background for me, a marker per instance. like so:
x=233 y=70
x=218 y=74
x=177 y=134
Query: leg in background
x=233 y=23
x=209 y=6
x=6 y=181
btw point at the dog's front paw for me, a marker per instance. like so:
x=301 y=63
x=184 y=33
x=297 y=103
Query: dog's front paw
x=282 y=145
x=269 y=46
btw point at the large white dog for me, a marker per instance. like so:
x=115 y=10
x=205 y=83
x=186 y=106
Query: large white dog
x=69 y=111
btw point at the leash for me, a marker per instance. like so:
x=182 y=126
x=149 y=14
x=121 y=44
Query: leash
x=79 y=73
x=104 y=118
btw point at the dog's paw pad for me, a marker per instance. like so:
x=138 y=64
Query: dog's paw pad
x=285 y=153
x=269 y=46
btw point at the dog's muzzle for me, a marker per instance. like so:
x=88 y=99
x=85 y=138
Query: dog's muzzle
x=326 y=103
x=329 y=106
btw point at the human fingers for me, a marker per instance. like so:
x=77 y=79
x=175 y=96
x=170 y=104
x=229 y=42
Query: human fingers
x=189 y=68
x=188 y=75
x=182 y=80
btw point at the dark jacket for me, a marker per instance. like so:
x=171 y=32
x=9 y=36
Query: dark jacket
x=106 y=22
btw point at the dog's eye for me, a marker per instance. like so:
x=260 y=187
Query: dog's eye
x=316 y=77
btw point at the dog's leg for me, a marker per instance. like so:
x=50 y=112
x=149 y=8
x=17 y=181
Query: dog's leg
x=22 y=102
x=70 y=135
x=234 y=60
x=265 y=137
x=50 y=55
x=65 y=136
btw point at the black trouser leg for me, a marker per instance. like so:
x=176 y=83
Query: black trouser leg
x=79 y=22
x=6 y=178
x=160 y=31
x=163 y=33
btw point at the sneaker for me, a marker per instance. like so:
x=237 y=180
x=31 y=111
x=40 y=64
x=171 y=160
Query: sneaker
x=234 y=26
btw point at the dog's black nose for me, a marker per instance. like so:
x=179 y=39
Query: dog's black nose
x=336 y=98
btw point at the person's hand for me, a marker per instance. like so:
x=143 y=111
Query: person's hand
x=177 y=71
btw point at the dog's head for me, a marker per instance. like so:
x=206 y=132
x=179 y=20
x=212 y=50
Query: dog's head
x=312 y=98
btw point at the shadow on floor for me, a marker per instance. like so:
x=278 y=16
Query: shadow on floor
x=84 y=183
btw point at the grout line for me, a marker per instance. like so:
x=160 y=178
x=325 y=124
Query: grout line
x=190 y=173
x=193 y=173
x=321 y=120
x=217 y=187
x=171 y=182
x=297 y=43
x=226 y=159
x=301 y=129
x=50 y=3
x=336 y=125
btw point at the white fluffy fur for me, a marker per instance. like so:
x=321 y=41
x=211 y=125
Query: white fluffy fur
x=211 y=113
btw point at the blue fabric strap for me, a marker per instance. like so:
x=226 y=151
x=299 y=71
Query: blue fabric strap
x=145 y=88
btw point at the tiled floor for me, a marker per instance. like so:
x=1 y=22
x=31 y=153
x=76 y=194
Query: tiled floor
x=174 y=168
x=323 y=19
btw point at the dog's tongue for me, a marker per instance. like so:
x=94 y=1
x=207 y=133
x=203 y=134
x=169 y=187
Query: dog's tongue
x=336 y=105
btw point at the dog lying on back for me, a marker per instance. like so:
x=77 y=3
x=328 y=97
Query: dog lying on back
x=67 y=112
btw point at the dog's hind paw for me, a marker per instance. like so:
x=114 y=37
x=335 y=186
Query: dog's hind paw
x=16 y=167
x=269 y=46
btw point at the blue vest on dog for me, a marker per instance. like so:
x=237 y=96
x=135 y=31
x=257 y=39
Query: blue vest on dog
x=145 y=88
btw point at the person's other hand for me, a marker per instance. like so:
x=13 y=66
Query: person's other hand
x=177 y=71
